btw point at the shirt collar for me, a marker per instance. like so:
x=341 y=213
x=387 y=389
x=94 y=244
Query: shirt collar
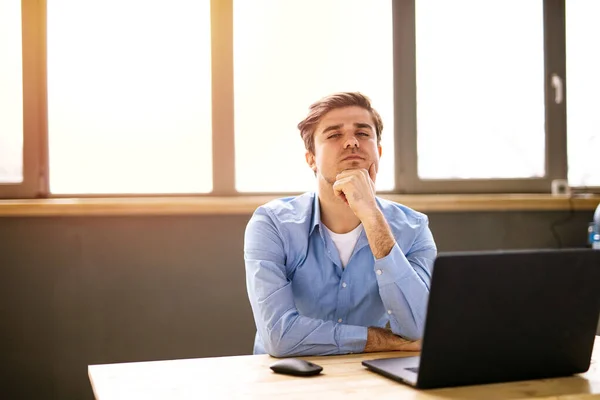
x=316 y=215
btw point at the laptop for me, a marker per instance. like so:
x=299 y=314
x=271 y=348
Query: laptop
x=503 y=316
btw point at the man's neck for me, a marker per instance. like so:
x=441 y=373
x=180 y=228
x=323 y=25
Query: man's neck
x=335 y=213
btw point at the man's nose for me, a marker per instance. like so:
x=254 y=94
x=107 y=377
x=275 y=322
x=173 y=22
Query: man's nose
x=351 y=142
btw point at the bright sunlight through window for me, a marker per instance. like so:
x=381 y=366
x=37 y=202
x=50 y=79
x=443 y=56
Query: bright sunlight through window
x=480 y=89
x=287 y=55
x=583 y=118
x=129 y=96
x=11 y=93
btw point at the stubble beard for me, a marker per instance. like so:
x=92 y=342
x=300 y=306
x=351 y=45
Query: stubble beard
x=331 y=180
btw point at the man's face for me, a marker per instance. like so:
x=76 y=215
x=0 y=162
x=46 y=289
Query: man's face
x=345 y=138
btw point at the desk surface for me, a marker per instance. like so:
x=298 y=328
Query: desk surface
x=343 y=377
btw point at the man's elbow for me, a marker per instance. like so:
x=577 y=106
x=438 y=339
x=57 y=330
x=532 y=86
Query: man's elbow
x=277 y=354
x=279 y=348
x=412 y=335
x=412 y=331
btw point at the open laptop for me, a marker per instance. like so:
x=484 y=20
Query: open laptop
x=504 y=316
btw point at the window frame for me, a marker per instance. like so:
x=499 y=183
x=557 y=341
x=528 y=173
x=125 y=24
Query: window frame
x=407 y=179
x=35 y=159
x=35 y=129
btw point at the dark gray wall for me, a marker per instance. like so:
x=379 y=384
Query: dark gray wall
x=78 y=291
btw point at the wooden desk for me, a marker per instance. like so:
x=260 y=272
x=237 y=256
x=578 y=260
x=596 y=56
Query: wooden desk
x=343 y=377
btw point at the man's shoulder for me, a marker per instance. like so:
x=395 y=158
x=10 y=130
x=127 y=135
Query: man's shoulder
x=285 y=218
x=400 y=213
x=289 y=209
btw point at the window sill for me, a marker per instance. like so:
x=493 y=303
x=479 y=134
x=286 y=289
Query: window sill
x=247 y=204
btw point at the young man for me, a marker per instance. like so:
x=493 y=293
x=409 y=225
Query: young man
x=326 y=272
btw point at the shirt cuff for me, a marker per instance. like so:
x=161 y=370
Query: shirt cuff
x=351 y=338
x=392 y=267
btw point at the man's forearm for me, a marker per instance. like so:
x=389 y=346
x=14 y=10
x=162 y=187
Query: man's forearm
x=380 y=339
x=380 y=237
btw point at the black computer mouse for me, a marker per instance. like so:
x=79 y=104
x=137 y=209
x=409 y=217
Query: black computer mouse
x=296 y=366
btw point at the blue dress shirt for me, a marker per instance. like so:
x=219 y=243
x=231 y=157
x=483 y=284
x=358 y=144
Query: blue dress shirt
x=305 y=303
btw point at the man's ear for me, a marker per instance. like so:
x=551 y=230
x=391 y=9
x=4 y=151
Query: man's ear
x=310 y=160
x=379 y=149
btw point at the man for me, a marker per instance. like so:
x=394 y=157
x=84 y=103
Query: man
x=327 y=271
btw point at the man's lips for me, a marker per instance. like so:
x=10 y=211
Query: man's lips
x=353 y=157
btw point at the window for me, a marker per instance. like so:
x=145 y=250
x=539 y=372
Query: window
x=129 y=96
x=203 y=97
x=288 y=54
x=583 y=119
x=480 y=89
x=11 y=94
x=475 y=97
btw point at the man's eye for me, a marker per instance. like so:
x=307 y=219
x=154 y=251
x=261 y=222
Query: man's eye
x=335 y=135
x=363 y=134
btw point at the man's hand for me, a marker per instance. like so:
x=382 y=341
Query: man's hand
x=357 y=188
x=379 y=339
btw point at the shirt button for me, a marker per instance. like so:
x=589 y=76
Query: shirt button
x=344 y=284
x=340 y=320
x=389 y=311
x=379 y=272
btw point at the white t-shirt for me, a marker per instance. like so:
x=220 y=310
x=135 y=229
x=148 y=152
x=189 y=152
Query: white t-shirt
x=345 y=242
